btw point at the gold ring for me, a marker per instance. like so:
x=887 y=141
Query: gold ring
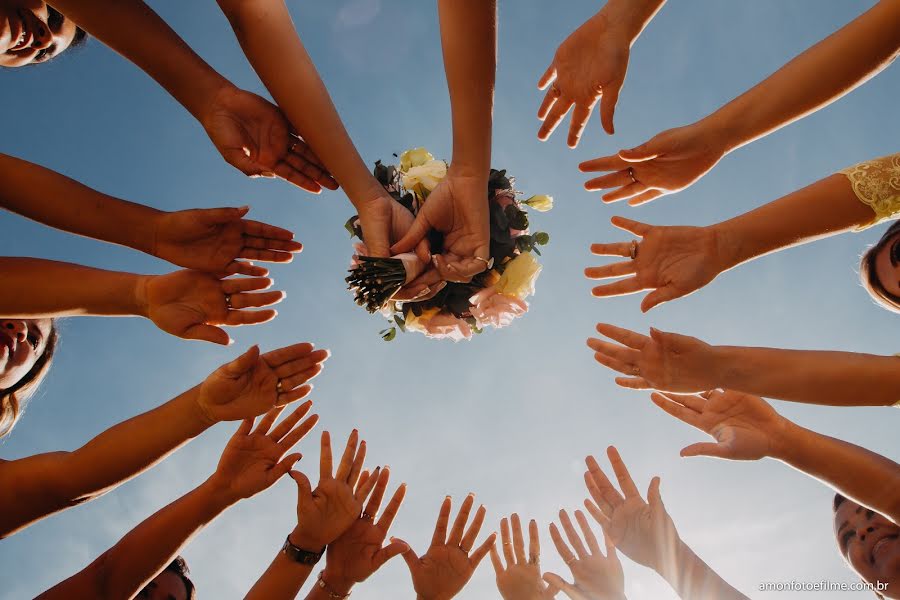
x=366 y=516
x=631 y=174
x=571 y=560
x=488 y=263
x=636 y=370
x=556 y=91
x=279 y=388
x=634 y=249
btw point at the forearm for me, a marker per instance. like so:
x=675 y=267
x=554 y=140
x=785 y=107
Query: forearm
x=469 y=40
x=693 y=579
x=808 y=376
x=133 y=446
x=55 y=200
x=824 y=208
x=815 y=78
x=282 y=581
x=43 y=288
x=123 y=570
x=134 y=30
x=266 y=33
x=868 y=478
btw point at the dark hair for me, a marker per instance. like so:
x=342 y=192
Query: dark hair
x=869 y=277
x=180 y=568
x=13 y=398
x=79 y=38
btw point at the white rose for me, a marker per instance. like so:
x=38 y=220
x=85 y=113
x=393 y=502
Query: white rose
x=540 y=203
x=414 y=157
x=428 y=175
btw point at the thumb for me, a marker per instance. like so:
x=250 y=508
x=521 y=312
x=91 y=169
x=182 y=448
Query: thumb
x=242 y=363
x=654 y=499
x=659 y=336
x=412 y=560
x=705 y=449
x=279 y=470
x=216 y=216
x=304 y=488
x=416 y=234
x=657 y=297
x=608 y=106
x=207 y=333
x=645 y=151
x=393 y=549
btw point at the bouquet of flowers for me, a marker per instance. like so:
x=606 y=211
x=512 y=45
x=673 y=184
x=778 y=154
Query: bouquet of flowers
x=492 y=298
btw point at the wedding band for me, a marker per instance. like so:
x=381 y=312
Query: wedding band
x=488 y=264
x=279 y=388
x=571 y=560
x=228 y=301
x=555 y=89
x=366 y=516
x=634 y=249
x=533 y=560
x=631 y=174
x=636 y=370
x=507 y=543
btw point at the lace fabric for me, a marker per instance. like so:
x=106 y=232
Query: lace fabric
x=877 y=184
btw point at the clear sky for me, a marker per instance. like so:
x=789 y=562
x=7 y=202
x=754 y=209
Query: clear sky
x=509 y=415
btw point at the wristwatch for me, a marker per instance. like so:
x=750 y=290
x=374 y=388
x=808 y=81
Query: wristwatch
x=304 y=557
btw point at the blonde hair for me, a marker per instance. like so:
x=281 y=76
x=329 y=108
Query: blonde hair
x=12 y=399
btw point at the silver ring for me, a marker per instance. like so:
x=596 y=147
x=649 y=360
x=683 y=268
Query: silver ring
x=631 y=174
x=367 y=517
x=488 y=263
x=634 y=249
x=279 y=388
x=228 y=301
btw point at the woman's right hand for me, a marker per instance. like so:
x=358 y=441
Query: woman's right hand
x=667 y=163
x=596 y=575
x=521 y=578
x=642 y=531
x=249 y=386
x=190 y=304
x=672 y=262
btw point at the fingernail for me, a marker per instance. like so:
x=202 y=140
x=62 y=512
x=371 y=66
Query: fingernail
x=244 y=208
x=421 y=294
x=268 y=174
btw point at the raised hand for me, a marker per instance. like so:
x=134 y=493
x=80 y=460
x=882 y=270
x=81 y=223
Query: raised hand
x=324 y=514
x=215 y=239
x=520 y=579
x=643 y=531
x=254 y=137
x=663 y=361
x=450 y=561
x=745 y=427
x=589 y=65
x=360 y=550
x=458 y=207
x=383 y=221
x=672 y=262
x=252 y=460
x=596 y=575
x=253 y=384
x=190 y=304
x=668 y=163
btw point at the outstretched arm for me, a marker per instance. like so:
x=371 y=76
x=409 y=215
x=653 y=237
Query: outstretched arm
x=251 y=463
x=677 y=158
x=213 y=240
x=35 y=487
x=188 y=304
x=745 y=427
x=250 y=133
x=644 y=532
x=679 y=363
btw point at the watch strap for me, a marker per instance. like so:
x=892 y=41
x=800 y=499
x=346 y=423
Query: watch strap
x=304 y=557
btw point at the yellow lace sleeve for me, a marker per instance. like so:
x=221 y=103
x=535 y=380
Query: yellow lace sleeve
x=877 y=184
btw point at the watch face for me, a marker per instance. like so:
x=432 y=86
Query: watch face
x=300 y=555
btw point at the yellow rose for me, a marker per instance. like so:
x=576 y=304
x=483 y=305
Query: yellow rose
x=414 y=158
x=540 y=203
x=428 y=176
x=519 y=277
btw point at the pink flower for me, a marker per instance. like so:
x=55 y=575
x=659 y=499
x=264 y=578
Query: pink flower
x=440 y=325
x=493 y=308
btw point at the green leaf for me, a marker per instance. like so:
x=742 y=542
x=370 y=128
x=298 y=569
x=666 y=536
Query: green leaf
x=518 y=219
x=401 y=322
x=388 y=335
x=542 y=238
x=349 y=226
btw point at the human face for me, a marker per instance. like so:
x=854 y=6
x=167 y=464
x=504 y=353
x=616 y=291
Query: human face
x=22 y=342
x=166 y=586
x=870 y=543
x=887 y=266
x=32 y=32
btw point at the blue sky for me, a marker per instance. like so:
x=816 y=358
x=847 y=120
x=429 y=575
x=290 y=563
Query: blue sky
x=508 y=415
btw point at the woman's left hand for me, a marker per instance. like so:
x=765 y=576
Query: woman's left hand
x=215 y=239
x=190 y=304
x=663 y=361
x=254 y=136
